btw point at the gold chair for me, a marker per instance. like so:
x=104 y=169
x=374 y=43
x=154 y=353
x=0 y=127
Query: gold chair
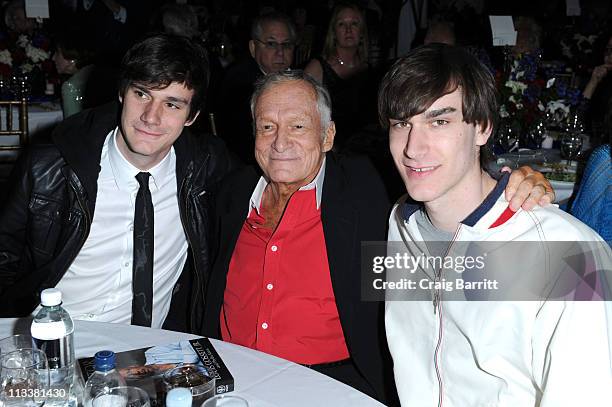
x=13 y=136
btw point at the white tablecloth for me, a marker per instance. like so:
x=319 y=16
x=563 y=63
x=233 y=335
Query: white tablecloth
x=262 y=379
x=533 y=158
x=41 y=116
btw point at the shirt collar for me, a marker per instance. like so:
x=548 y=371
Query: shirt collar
x=316 y=183
x=125 y=173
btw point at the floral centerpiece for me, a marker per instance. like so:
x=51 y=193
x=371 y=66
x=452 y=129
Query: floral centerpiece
x=23 y=56
x=531 y=94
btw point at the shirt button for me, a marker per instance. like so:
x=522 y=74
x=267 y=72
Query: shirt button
x=132 y=227
x=274 y=248
x=90 y=316
x=264 y=325
x=269 y=286
x=126 y=264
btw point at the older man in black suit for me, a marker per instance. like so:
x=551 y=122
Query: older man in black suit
x=286 y=274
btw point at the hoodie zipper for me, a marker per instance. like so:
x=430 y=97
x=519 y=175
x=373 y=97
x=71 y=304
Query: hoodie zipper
x=437 y=304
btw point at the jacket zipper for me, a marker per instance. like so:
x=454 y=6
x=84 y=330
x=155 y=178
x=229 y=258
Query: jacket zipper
x=437 y=304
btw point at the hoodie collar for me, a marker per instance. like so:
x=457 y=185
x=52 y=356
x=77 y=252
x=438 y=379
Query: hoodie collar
x=472 y=219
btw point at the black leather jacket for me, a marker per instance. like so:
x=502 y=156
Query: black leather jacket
x=47 y=215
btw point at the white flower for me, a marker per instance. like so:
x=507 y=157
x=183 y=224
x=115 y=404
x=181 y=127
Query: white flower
x=580 y=39
x=5 y=58
x=36 y=55
x=22 y=41
x=566 y=50
x=26 y=68
x=550 y=82
x=503 y=113
x=555 y=106
x=541 y=107
x=517 y=87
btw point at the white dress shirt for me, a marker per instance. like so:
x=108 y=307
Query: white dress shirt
x=98 y=284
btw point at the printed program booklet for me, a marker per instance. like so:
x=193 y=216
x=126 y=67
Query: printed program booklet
x=145 y=367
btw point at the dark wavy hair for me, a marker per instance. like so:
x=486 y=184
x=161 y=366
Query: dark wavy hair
x=427 y=73
x=158 y=60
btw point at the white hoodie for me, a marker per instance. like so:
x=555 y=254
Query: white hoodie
x=502 y=353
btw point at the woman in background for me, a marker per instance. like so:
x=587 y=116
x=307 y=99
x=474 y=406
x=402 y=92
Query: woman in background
x=344 y=70
x=87 y=85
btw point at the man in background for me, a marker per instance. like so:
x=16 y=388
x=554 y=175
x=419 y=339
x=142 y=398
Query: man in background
x=271 y=48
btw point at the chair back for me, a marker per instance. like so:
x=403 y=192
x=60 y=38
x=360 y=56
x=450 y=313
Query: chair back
x=13 y=135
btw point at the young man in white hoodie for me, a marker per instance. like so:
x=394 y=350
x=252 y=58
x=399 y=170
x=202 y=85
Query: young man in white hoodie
x=531 y=343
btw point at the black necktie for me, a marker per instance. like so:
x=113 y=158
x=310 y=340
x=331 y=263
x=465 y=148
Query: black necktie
x=142 y=271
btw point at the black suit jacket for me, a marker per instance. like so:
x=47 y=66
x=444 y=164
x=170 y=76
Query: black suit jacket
x=354 y=208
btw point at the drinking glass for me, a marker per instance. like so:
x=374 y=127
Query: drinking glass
x=194 y=378
x=124 y=396
x=536 y=134
x=507 y=137
x=24 y=378
x=571 y=144
x=226 y=400
x=15 y=342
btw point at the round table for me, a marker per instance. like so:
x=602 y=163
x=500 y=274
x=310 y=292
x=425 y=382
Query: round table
x=262 y=379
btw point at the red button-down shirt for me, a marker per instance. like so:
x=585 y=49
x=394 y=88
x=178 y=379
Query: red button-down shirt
x=279 y=297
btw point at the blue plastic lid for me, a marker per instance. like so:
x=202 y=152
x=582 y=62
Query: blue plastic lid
x=104 y=361
x=178 y=397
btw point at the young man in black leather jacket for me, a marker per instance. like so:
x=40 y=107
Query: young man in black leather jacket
x=68 y=219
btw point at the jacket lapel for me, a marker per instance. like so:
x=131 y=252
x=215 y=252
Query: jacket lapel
x=234 y=213
x=339 y=227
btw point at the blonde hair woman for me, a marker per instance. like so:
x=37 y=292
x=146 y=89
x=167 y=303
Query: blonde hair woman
x=343 y=69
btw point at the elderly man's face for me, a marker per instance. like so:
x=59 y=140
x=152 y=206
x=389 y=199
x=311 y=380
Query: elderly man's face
x=274 y=50
x=290 y=142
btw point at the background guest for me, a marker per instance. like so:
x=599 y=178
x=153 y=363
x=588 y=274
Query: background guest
x=598 y=92
x=343 y=68
x=87 y=85
x=180 y=19
x=16 y=20
x=271 y=50
x=442 y=32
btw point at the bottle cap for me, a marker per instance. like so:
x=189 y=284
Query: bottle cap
x=104 y=360
x=178 y=397
x=51 y=297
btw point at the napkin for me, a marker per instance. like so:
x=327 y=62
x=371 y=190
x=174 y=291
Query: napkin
x=178 y=352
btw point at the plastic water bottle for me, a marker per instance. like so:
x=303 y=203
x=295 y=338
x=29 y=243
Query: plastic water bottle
x=52 y=330
x=104 y=378
x=179 y=397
